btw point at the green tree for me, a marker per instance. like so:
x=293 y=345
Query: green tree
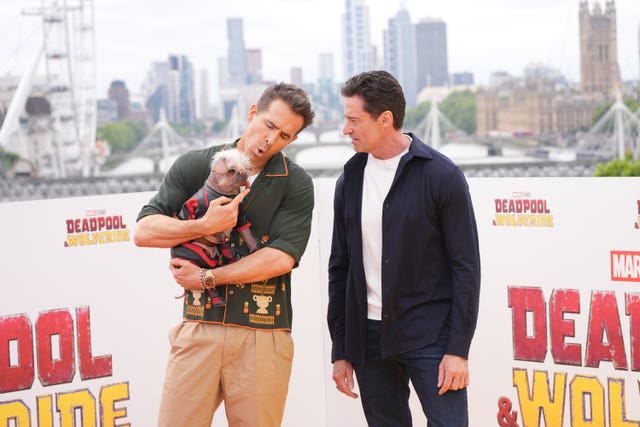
x=219 y=125
x=140 y=128
x=619 y=167
x=122 y=135
x=601 y=109
x=194 y=129
x=7 y=159
x=460 y=108
x=414 y=116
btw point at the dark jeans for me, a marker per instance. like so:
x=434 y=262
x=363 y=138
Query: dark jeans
x=384 y=385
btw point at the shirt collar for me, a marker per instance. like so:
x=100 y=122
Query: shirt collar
x=417 y=148
x=276 y=166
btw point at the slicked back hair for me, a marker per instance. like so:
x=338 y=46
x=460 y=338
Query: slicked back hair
x=380 y=92
x=296 y=98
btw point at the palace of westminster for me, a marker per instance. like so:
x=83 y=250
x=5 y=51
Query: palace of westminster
x=535 y=106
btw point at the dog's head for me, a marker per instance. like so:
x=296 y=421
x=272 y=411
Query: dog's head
x=229 y=171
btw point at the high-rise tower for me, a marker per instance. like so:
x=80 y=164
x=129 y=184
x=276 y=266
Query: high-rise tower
x=181 y=92
x=431 y=53
x=236 y=53
x=325 y=74
x=202 y=110
x=326 y=97
x=400 y=54
x=254 y=66
x=119 y=93
x=295 y=76
x=356 y=42
x=599 y=72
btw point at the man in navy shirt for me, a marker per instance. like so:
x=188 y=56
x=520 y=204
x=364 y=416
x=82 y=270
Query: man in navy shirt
x=404 y=270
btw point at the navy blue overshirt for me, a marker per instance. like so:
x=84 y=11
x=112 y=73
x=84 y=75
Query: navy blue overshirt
x=430 y=258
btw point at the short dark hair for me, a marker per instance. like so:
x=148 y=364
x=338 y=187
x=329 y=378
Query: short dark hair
x=296 y=98
x=380 y=92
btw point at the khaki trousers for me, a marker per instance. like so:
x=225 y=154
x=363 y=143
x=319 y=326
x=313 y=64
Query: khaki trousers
x=247 y=369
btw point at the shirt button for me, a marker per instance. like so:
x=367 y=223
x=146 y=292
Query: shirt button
x=386 y=261
x=385 y=316
x=230 y=292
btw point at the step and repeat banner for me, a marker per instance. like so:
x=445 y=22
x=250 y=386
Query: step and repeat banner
x=84 y=313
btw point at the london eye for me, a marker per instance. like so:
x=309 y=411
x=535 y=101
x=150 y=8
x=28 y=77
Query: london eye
x=51 y=120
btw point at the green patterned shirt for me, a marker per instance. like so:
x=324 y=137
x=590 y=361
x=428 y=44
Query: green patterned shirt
x=279 y=206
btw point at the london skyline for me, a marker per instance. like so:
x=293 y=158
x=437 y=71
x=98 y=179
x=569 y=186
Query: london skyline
x=497 y=36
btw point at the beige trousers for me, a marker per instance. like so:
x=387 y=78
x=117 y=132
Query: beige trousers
x=247 y=369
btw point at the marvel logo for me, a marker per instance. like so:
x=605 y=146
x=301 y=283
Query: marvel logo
x=625 y=266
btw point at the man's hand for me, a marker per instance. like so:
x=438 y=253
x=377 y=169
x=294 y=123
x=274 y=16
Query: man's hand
x=185 y=273
x=343 y=377
x=453 y=373
x=222 y=213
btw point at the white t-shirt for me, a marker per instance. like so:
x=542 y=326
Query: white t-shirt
x=378 y=177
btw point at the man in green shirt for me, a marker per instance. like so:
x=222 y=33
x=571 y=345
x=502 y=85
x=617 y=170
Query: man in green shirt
x=242 y=352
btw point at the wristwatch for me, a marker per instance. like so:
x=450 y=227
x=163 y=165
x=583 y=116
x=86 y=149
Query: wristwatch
x=209 y=279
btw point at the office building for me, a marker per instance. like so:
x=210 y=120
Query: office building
x=326 y=71
x=181 y=90
x=359 y=54
x=400 y=54
x=203 y=110
x=254 y=66
x=107 y=111
x=463 y=78
x=295 y=76
x=119 y=94
x=326 y=97
x=155 y=89
x=431 y=53
x=236 y=52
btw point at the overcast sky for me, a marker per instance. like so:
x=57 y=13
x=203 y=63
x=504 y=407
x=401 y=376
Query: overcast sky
x=483 y=36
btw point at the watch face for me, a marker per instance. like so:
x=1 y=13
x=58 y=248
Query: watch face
x=208 y=280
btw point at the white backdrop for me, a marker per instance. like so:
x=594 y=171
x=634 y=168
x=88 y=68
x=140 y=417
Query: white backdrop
x=572 y=270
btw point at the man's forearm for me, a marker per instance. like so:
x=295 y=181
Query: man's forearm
x=260 y=265
x=161 y=231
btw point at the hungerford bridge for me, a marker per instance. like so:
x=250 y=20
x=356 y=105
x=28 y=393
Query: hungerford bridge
x=322 y=149
x=615 y=133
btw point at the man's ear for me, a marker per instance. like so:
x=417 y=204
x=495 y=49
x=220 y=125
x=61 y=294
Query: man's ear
x=252 y=112
x=386 y=118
